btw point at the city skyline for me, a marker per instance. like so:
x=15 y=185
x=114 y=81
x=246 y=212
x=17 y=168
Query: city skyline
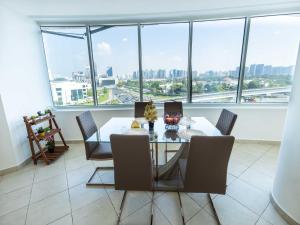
x=66 y=55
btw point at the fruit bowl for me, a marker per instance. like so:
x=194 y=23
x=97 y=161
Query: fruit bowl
x=172 y=119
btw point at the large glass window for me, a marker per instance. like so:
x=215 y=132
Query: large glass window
x=68 y=65
x=271 y=58
x=115 y=51
x=270 y=43
x=165 y=58
x=216 y=58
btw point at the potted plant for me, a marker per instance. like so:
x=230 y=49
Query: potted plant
x=150 y=115
x=41 y=132
x=47 y=129
x=50 y=145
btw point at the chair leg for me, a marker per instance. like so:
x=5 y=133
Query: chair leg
x=214 y=210
x=121 y=207
x=89 y=183
x=181 y=209
x=152 y=207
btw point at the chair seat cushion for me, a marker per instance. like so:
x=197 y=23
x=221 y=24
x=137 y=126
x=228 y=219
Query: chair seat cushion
x=102 y=151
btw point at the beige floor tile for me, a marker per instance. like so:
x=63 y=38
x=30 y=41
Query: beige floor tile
x=261 y=221
x=49 y=209
x=81 y=175
x=16 y=180
x=75 y=163
x=244 y=157
x=14 y=200
x=17 y=217
x=74 y=151
x=159 y=217
x=107 y=176
x=258 y=179
x=134 y=201
x=82 y=195
x=200 y=198
x=271 y=216
x=100 y=212
x=66 y=220
x=143 y=217
x=103 y=163
x=266 y=164
x=255 y=149
x=45 y=172
x=115 y=197
x=202 y=218
x=236 y=167
x=48 y=187
x=169 y=206
x=231 y=212
x=157 y=194
x=190 y=207
x=250 y=196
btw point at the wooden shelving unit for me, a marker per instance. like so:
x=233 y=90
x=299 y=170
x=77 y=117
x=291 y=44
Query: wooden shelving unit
x=33 y=137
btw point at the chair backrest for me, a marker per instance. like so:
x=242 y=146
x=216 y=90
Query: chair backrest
x=173 y=107
x=206 y=168
x=87 y=127
x=226 y=122
x=132 y=162
x=139 y=109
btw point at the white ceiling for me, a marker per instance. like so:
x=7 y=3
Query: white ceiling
x=78 y=10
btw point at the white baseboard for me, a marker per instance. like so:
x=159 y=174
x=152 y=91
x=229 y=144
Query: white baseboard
x=15 y=168
x=282 y=212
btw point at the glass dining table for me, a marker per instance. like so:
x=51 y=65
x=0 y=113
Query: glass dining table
x=187 y=127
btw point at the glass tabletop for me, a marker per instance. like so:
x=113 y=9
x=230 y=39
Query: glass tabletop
x=187 y=128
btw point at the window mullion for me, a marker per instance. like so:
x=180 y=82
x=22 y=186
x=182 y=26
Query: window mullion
x=243 y=59
x=92 y=65
x=140 y=62
x=189 y=71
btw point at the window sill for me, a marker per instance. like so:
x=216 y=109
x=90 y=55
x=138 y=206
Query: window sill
x=185 y=105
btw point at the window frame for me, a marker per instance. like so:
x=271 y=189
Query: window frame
x=139 y=24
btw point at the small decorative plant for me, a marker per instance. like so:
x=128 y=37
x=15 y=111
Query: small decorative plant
x=47 y=129
x=50 y=145
x=41 y=132
x=47 y=111
x=150 y=114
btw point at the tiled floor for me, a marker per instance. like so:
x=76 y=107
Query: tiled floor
x=57 y=194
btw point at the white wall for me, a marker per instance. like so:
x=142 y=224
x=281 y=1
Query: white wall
x=24 y=84
x=5 y=143
x=253 y=123
x=286 y=189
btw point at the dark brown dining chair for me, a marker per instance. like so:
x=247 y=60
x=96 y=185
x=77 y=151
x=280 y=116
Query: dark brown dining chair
x=133 y=165
x=171 y=108
x=93 y=150
x=205 y=169
x=139 y=109
x=226 y=122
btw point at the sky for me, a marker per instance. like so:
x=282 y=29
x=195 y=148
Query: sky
x=216 y=46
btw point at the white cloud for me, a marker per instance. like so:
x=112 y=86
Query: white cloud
x=124 y=39
x=104 y=48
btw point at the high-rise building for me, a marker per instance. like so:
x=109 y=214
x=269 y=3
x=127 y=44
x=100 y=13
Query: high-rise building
x=252 y=69
x=259 y=69
x=267 y=70
x=109 y=71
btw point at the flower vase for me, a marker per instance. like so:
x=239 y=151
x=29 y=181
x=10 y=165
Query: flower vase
x=151 y=126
